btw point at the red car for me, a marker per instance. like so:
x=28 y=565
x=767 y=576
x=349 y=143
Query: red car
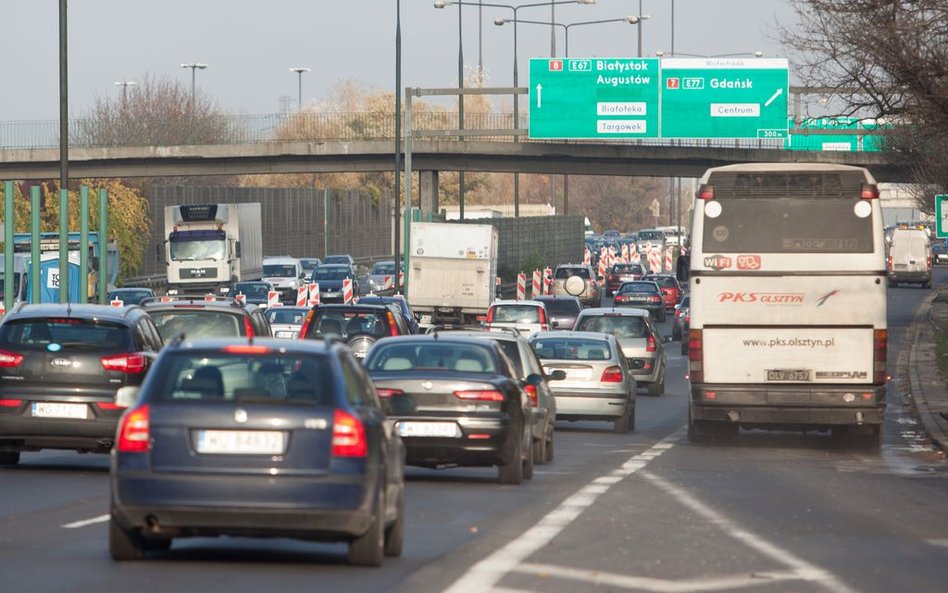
x=669 y=286
x=622 y=273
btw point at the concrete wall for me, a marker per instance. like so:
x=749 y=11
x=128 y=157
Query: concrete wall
x=529 y=242
x=292 y=219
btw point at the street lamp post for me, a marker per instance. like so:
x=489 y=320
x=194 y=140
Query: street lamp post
x=299 y=92
x=194 y=66
x=748 y=54
x=516 y=77
x=125 y=84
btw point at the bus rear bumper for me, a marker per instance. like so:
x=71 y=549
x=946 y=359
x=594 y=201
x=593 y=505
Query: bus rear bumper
x=796 y=406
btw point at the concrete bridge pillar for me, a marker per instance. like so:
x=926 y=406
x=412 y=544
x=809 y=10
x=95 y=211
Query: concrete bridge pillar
x=428 y=189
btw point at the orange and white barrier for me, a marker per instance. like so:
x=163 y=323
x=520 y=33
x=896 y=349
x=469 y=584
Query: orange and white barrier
x=625 y=253
x=634 y=257
x=239 y=297
x=210 y=297
x=117 y=303
x=347 y=291
x=273 y=299
x=302 y=295
x=313 y=294
x=388 y=282
x=521 y=286
x=537 y=284
x=654 y=261
x=547 y=280
x=668 y=259
x=587 y=256
x=602 y=267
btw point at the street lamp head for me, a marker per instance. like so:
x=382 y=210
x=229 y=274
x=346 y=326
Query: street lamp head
x=299 y=70
x=633 y=20
x=758 y=54
x=585 y=1
x=442 y=3
x=659 y=53
x=198 y=66
x=500 y=22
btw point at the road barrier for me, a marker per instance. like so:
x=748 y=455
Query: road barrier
x=536 y=287
x=347 y=291
x=302 y=295
x=521 y=286
x=313 y=294
x=273 y=299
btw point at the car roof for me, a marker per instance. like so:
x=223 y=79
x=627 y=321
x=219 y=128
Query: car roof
x=497 y=336
x=280 y=259
x=329 y=266
x=352 y=306
x=503 y=302
x=130 y=288
x=222 y=304
x=614 y=311
x=77 y=311
x=574 y=334
x=276 y=344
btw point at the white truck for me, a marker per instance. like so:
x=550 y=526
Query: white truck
x=451 y=271
x=208 y=247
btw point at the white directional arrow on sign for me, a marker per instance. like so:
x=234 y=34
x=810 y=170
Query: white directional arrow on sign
x=773 y=97
x=539 y=96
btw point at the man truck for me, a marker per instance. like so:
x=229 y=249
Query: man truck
x=209 y=247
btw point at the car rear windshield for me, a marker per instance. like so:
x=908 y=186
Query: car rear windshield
x=384 y=268
x=130 y=296
x=349 y=323
x=252 y=290
x=70 y=333
x=432 y=356
x=627 y=269
x=330 y=274
x=638 y=287
x=571 y=349
x=279 y=271
x=515 y=314
x=286 y=316
x=265 y=377
x=651 y=236
x=570 y=272
x=562 y=306
x=664 y=281
x=621 y=326
x=197 y=323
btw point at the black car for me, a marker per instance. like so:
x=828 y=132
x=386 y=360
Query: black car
x=206 y=317
x=130 y=295
x=60 y=366
x=330 y=278
x=398 y=300
x=562 y=309
x=260 y=438
x=254 y=292
x=644 y=294
x=358 y=325
x=457 y=401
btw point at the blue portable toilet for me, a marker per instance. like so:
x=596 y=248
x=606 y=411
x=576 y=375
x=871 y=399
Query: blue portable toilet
x=49 y=279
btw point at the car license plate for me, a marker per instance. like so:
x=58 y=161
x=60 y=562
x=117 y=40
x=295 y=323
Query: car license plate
x=286 y=334
x=429 y=429
x=241 y=442
x=796 y=375
x=60 y=410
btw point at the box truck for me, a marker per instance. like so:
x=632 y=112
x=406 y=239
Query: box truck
x=208 y=247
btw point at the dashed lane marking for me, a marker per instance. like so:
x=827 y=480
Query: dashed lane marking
x=83 y=523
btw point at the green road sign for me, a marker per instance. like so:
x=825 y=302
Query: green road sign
x=594 y=98
x=941 y=216
x=724 y=98
x=829 y=142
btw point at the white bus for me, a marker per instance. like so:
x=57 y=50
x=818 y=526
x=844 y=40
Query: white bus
x=788 y=302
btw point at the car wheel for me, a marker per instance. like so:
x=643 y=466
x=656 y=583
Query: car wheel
x=369 y=548
x=623 y=424
x=539 y=451
x=928 y=284
x=657 y=388
x=549 y=448
x=528 y=462
x=124 y=544
x=512 y=472
x=395 y=533
x=9 y=457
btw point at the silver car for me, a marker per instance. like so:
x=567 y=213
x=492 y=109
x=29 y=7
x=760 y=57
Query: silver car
x=598 y=384
x=638 y=336
x=286 y=321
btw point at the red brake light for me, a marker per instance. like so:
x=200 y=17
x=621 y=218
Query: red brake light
x=488 y=395
x=10 y=359
x=705 y=192
x=695 y=356
x=9 y=403
x=134 y=434
x=385 y=392
x=110 y=406
x=870 y=191
x=246 y=349
x=490 y=315
x=124 y=363
x=880 y=352
x=534 y=395
x=650 y=344
x=890 y=262
x=306 y=322
x=612 y=375
x=348 y=436
x=654 y=299
x=248 y=327
x=542 y=316
x=393 y=328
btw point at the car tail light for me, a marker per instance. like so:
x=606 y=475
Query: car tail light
x=305 y=327
x=890 y=262
x=348 y=436
x=385 y=392
x=111 y=406
x=248 y=327
x=246 y=349
x=695 y=356
x=490 y=315
x=654 y=299
x=10 y=403
x=705 y=192
x=484 y=395
x=870 y=191
x=10 y=359
x=134 y=433
x=124 y=363
x=534 y=395
x=880 y=339
x=929 y=262
x=393 y=328
x=619 y=298
x=612 y=375
x=542 y=316
x=650 y=344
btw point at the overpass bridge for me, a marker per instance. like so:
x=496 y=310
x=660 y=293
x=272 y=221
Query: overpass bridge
x=331 y=156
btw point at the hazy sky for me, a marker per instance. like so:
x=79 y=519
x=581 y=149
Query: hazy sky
x=249 y=46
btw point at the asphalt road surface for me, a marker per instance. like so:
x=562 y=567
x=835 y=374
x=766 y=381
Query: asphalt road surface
x=647 y=511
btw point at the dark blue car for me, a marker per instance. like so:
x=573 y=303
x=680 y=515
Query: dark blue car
x=330 y=278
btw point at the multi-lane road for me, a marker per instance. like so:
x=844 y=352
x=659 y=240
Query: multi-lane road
x=647 y=511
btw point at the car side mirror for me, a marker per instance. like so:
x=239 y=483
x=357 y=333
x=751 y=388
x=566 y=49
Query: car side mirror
x=302 y=275
x=126 y=396
x=667 y=339
x=534 y=379
x=554 y=323
x=557 y=375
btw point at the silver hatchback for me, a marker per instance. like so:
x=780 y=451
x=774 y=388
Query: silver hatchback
x=638 y=336
x=598 y=384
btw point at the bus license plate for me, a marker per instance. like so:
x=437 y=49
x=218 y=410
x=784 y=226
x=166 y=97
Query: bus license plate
x=795 y=375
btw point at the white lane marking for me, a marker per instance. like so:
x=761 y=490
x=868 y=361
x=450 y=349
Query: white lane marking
x=486 y=573
x=78 y=524
x=733 y=530
x=939 y=542
x=595 y=577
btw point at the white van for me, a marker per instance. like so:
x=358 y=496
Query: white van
x=910 y=257
x=285 y=274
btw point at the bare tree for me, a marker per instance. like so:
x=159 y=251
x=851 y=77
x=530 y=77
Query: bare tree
x=885 y=59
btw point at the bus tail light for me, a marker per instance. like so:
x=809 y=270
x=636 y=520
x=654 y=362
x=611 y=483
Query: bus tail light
x=870 y=191
x=705 y=192
x=880 y=339
x=695 y=356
